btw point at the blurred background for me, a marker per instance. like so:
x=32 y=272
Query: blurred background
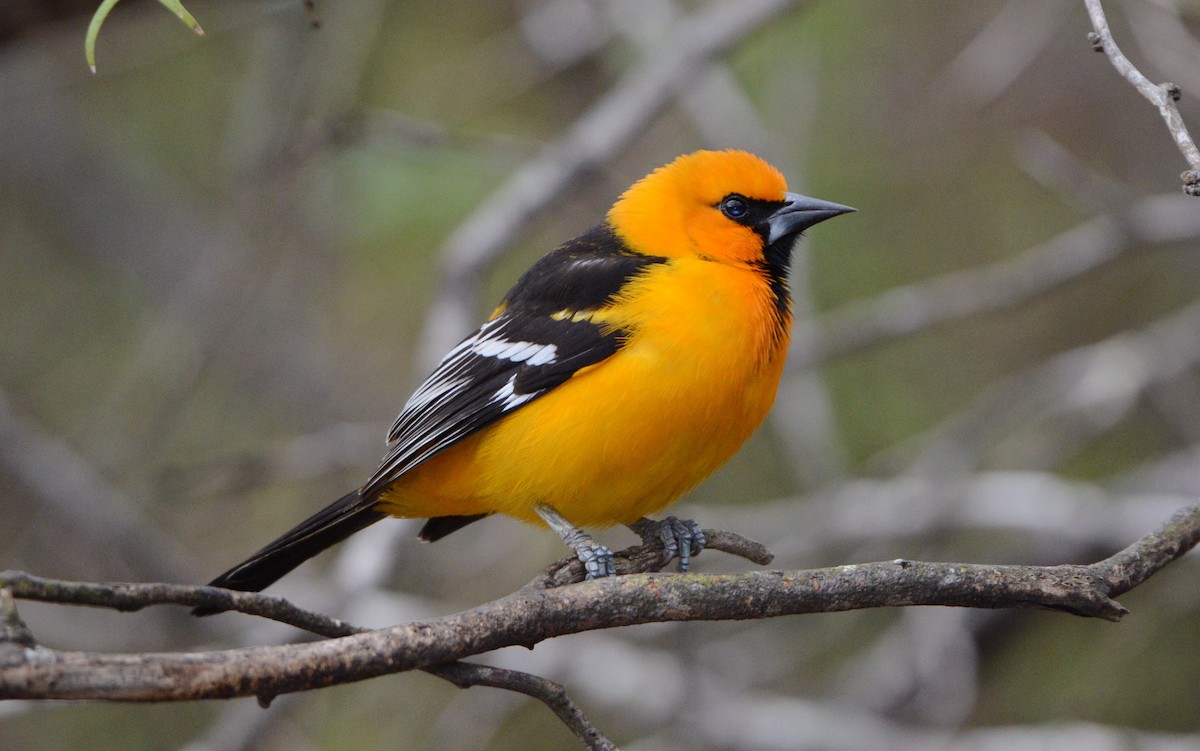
x=226 y=260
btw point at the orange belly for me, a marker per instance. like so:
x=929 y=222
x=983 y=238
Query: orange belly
x=624 y=438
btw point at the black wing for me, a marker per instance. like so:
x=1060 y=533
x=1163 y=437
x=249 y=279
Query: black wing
x=541 y=337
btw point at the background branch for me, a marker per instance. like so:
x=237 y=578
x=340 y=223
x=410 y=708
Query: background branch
x=1162 y=96
x=922 y=306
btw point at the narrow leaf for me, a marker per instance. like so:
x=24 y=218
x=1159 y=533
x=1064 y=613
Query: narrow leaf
x=89 y=44
x=176 y=7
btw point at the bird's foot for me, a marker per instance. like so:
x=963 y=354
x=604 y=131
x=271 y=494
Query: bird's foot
x=681 y=538
x=597 y=559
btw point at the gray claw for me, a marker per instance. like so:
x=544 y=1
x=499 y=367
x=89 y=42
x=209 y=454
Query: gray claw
x=596 y=559
x=681 y=538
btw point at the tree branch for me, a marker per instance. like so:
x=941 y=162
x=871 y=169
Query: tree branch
x=530 y=615
x=129 y=597
x=1162 y=96
x=1062 y=386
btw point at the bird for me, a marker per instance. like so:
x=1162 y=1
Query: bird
x=621 y=370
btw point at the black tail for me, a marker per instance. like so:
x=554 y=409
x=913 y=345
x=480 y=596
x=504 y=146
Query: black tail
x=327 y=527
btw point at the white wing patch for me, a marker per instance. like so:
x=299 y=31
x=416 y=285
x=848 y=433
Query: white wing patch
x=526 y=352
x=489 y=342
x=508 y=397
x=454 y=376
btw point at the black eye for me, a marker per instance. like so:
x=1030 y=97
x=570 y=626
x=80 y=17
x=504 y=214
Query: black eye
x=734 y=206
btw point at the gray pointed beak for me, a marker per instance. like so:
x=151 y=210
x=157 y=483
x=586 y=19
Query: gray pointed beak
x=798 y=213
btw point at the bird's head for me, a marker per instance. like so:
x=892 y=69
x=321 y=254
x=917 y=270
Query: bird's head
x=725 y=206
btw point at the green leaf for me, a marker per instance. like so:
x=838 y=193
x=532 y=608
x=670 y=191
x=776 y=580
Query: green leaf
x=89 y=44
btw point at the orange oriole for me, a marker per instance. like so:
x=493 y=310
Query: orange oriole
x=620 y=371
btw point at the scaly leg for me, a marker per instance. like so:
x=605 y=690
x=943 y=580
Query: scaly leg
x=680 y=537
x=596 y=558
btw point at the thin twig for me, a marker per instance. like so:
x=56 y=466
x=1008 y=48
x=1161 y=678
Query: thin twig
x=553 y=695
x=1162 y=96
x=1138 y=562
